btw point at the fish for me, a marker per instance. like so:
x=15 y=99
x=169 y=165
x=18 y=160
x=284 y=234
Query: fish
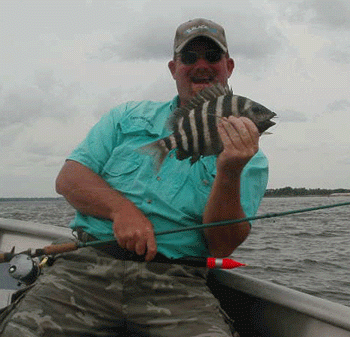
x=193 y=127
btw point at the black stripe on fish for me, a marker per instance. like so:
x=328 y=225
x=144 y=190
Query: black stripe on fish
x=240 y=104
x=227 y=106
x=212 y=125
x=198 y=113
x=168 y=143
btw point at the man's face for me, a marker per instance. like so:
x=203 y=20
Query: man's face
x=191 y=78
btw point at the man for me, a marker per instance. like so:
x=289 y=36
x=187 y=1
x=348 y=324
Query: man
x=117 y=193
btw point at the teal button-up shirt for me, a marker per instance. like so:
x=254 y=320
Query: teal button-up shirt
x=176 y=195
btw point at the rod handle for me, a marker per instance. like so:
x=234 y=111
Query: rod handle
x=60 y=248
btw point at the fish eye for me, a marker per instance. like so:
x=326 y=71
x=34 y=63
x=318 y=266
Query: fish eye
x=256 y=109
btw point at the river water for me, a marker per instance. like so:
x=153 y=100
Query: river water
x=309 y=252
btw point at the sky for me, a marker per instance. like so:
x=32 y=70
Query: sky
x=64 y=63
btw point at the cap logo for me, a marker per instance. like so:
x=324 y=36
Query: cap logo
x=190 y=30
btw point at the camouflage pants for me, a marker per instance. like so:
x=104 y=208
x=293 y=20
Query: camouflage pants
x=90 y=293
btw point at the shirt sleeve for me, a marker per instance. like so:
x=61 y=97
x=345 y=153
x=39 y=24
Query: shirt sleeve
x=95 y=150
x=253 y=184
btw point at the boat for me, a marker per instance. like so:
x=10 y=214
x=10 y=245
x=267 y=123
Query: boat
x=259 y=308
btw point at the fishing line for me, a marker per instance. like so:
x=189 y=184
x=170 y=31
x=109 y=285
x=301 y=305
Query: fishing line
x=264 y=216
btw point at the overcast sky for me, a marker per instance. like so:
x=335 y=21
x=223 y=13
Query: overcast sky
x=65 y=63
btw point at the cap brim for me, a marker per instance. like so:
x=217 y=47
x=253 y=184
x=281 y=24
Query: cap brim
x=183 y=44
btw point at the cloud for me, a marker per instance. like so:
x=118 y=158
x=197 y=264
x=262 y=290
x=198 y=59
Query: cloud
x=339 y=56
x=250 y=32
x=339 y=105
x=106 y=101
x=63 y=19
x=332 y=14
x=163 y=88
x=146 y=41
x=47 y=97
x=20 y=105
x=9 y=134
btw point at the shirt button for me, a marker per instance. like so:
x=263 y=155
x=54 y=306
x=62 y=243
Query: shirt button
x=159 y=178
x=149 y=201
x=205 y=182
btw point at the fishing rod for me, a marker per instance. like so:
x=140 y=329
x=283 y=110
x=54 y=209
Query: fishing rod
x=257 y=217
x=193 y=261
x=56 y=249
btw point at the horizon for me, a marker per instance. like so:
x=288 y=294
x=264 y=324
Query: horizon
x=346 y=190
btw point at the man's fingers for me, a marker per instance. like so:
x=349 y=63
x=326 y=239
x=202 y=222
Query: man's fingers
x=140 y=247
x=140 y=242
x=238 y=133
x=252 y=129
x=151 y=249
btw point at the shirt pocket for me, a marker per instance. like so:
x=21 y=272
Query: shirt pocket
x=122 y=168
x=197 y=189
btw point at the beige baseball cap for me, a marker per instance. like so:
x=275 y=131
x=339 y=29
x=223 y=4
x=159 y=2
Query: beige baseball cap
x=199 y=27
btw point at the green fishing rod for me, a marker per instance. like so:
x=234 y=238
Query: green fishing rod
x=257 y=217
x=71 y=246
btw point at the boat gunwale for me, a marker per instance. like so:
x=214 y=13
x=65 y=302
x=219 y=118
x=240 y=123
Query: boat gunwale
x=34 y=228
x=335 y=314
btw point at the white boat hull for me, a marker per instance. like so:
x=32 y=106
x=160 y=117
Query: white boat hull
x=259 y=308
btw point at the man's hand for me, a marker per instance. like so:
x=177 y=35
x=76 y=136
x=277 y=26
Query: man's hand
x=240 y=138
x=134 y=231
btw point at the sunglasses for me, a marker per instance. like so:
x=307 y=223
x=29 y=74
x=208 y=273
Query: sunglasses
x=191 y=57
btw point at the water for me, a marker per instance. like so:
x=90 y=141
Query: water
x=55 y=212
x=309 y=252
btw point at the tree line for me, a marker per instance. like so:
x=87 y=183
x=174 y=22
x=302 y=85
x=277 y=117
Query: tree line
x=290 y=191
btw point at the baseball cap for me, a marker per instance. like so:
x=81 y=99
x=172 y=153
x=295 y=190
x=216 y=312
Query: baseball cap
x=199 y=27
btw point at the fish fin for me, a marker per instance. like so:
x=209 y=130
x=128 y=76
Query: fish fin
x=214 y=91
x=181 y=154
x=195 y=158
x=157 y=150
x=204 y=95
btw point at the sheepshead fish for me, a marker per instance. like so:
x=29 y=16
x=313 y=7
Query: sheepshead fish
x=194 y=126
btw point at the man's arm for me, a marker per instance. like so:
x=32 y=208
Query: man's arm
x=91 y=195
x=240 y=138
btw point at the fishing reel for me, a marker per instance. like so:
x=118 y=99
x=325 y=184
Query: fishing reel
x=24 y=268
